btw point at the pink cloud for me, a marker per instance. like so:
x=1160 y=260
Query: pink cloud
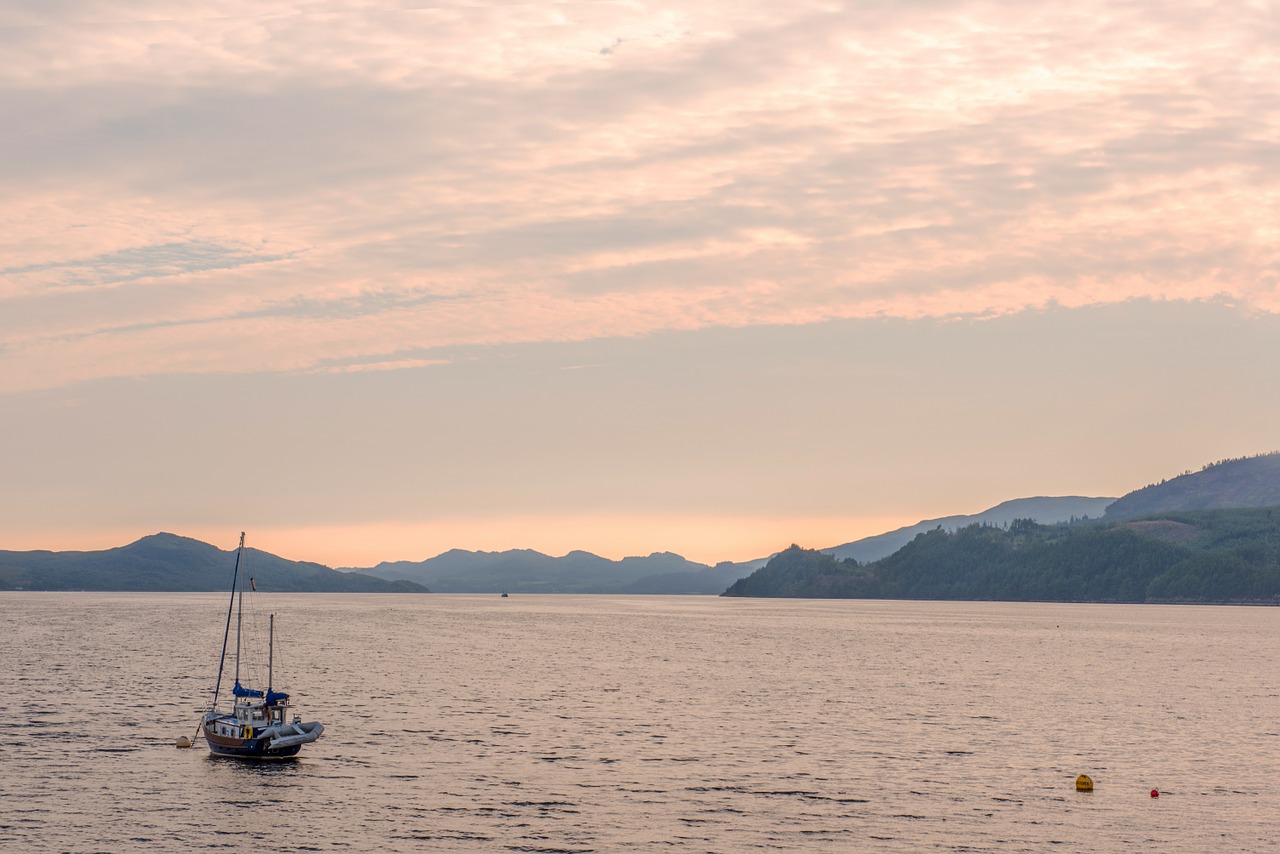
x=283 y=188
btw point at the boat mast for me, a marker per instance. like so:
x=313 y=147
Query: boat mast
x=239 y=610
x=226 y=632
x=271 y=649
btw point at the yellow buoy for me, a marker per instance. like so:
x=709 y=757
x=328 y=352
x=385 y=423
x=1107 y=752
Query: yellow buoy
x=183 y=741
x=1084 y=783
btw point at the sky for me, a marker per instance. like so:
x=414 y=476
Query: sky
x=375 y=280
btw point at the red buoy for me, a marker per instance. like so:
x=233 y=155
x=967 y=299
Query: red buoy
x=1155 y=793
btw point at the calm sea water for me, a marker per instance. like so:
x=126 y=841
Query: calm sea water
x=587 y=723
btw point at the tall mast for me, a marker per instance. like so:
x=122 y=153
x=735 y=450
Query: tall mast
x=222 y=659
x=239 y=609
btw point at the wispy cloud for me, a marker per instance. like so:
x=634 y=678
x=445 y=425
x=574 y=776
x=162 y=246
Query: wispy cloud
x=388 y=365
x=129 y=264
x=290 y=186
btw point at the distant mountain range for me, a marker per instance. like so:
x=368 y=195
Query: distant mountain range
x=170 y=562
x=166 y=562
x=1177 y=551
x=525 y=571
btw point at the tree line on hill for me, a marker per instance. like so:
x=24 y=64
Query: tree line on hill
x=1211 y=556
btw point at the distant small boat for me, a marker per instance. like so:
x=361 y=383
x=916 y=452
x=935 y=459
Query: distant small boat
x=258 y=725
x=504 y=594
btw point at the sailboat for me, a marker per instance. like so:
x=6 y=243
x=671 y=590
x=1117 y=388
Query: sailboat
x=259 y=725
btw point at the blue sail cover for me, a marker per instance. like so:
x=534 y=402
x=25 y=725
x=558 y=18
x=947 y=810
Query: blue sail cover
x=241 y=691
x=274 y=697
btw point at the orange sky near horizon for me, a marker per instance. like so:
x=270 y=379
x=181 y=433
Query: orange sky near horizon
x=701 y=540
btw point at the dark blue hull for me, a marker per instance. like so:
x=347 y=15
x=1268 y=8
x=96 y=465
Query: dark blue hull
x=247 y=748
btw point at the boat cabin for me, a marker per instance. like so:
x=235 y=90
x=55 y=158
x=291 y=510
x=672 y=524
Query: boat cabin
x=251 y=712
x=259 y=713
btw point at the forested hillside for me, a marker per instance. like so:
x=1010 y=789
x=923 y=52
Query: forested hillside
x=1244 y=482
x=1043 y=509
x=1205 y=556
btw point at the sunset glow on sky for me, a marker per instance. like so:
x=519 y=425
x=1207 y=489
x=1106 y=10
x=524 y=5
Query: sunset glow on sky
x=376 y=280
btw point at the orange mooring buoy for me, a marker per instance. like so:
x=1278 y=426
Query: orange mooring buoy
x=1084 y=783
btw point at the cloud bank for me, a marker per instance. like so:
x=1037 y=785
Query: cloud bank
x=328 y=186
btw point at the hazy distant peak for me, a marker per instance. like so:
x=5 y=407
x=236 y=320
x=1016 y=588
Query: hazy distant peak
x=166 y=537
x=166 y=542
x=1044 y=509
x=479 y=553
x=661 y=558
x=1050 y=501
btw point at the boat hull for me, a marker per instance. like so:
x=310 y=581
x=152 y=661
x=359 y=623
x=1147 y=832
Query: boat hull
x=247 y=748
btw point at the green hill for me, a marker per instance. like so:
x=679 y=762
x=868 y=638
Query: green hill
x=1213 y=556
x=165 y=562
x=1244 y=482
x=1043 y=509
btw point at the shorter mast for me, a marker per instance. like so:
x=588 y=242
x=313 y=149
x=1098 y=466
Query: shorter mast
x=271 y=650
